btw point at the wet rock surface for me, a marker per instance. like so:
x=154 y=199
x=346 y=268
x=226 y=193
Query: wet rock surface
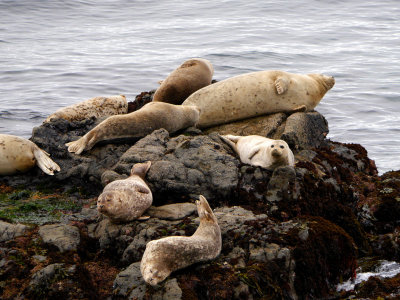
x=291 y=233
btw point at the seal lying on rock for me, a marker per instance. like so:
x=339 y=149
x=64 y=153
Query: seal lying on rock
x=96 y=107
x=152 y=116
x=260 y=151
x=169 y=254
x=232 y=99
x=127 y=199
x=192 y=75
x=258 y=93
x=19 y=155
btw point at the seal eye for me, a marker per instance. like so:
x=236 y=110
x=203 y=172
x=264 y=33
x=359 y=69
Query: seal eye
x=282 y=147
x=272 y=146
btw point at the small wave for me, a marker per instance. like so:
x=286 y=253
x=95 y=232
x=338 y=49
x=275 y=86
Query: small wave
x=387 y=269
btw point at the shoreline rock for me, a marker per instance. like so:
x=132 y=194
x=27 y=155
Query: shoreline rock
x=291 y=233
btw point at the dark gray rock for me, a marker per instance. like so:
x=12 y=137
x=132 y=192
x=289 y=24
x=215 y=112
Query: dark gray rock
x=130 y=283
x=184 y=167
x=305 y=130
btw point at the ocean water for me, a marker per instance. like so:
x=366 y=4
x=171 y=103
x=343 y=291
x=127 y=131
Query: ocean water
x=385 y=269
x=57 y=53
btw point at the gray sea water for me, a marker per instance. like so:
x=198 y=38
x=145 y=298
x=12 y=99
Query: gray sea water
x=57 y=53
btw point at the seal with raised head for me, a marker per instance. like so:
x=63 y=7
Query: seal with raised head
x=258 y=93
x=189 y=77
x=152 y=116
x=96 y=107
x=18 y=155
x=260 y=151
x=169 y=254
x=127 y=199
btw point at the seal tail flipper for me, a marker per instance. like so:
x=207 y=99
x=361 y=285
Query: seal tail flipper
x=77 y=146
x=229 y=139
x=45 y=162
x=281 y=85
x=301 y=108
x=141 y=169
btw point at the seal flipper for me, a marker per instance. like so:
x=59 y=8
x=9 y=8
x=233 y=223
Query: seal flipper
x=230 y=140
x=301 y=108
x=141 y=169
x=281 y=85
x=44 y=162
x=143 y=190
x=253 y=152
x=77 y=146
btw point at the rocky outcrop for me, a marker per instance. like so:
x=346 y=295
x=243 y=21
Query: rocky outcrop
x=291 y=233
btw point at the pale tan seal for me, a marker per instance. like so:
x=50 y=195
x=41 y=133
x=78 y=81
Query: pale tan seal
x=189 y=77
x=150 y=117
x=258 y=93
x=18 y=155
x=127 y=199
x=96 y=107
x=169 y=254
x=260 y=151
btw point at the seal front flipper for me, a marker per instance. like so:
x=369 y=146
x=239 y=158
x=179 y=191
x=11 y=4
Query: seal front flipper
x=281 y=85
x=143 y=190
x=253 y=152
x=44 y=162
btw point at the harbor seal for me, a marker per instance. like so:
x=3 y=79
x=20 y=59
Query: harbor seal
x=169 y=254
x=152 y=116
x=189 y=77
x=127 y=199
x=258 y=93
x=96 y=107
x=18 y=155
x=260 y=151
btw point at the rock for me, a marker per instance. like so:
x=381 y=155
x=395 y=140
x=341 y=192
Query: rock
x=64 y=237
x=170 y=291
x=269 y=125
x=233 y=219
x=300 y=130
x=105 y=232
x=184 y=167
x=43 y=279
x=305 y=130
x=10 y=231
x=172 y=211
x=130 y=282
